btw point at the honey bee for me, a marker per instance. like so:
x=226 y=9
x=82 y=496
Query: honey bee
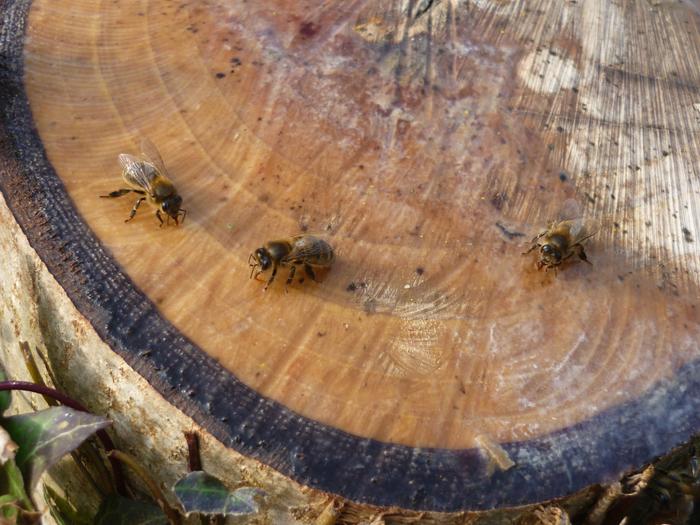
x=149 y=178
x=563 y=238
x=306 y=250
x=661 y=494
x=559 y=241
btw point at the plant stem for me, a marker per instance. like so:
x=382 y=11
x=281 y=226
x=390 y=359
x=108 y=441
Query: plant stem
x=194 y=460
x=107 y=442
x=173 y=515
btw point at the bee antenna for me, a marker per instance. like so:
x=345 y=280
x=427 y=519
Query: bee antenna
x=253 y=264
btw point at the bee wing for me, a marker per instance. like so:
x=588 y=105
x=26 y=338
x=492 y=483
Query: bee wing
x=152 y=155
x=581 y=229
x=307 y=250
x=135 y=172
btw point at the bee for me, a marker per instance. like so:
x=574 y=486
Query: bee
x=559 y=241
x=563 y=238
x=148 y=178
x=661 y=494
x=302 y=250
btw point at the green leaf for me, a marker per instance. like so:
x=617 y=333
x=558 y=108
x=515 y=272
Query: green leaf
x=203 y=493
x=5 y=395
x=62 y=511
x=46 y=436
x=12 y=484
x=116 y=510
x=9 y=509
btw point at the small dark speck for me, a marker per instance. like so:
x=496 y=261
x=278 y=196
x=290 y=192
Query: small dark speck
x=461 y=385
x=498 y=200
x=321 y=334
x=420 y=270
x=550 y=147
x=620 y=278
x=304 y=227
x=687 y=235
x=301 y=280
x=665 y=153
x=574 y=89
x=235 y=61
x=351 y=287
x=562 y=176
x=560 y=129
x=220 y=75
x=308 y=29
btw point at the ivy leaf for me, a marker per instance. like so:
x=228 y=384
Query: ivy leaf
x=203 y=493
x=12 y=484
x=9 y=509
x=46 y=436
x=116 y=510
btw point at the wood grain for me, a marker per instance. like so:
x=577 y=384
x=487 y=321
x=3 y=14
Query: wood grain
x=428 y=141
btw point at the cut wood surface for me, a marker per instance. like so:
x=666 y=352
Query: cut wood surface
x=433 y=367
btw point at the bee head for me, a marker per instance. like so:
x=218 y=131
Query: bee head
x=550 y=255
x=262 y=258
x=171 y=206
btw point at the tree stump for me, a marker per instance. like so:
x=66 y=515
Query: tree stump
x=433 y=367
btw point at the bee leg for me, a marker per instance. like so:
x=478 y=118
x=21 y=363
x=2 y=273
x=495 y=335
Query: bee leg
x=290 y=278
x=159 y=218
x=531 y=247
x=136 y=207
x=272 y=277
x=117 y=193
x=581 y=253
x=310 y=272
